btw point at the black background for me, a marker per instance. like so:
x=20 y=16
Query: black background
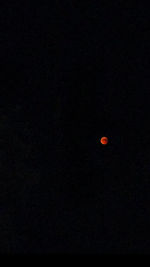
x=73 y=73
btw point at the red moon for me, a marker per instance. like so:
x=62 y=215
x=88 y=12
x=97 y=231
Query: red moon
x=104 y=140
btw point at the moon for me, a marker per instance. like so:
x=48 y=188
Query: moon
x=104 y=140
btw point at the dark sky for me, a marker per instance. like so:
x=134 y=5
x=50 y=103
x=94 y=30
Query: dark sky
x=73 y=73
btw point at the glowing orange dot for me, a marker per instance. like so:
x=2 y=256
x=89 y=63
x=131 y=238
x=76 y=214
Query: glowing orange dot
x=104 y=140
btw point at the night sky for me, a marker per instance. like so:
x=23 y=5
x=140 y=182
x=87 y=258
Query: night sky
x=72 y=73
